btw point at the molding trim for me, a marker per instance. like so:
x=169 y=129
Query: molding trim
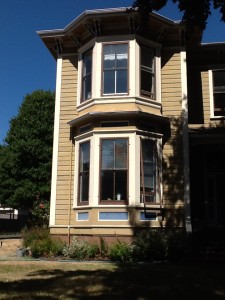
x=187 y=208
x=55 y=143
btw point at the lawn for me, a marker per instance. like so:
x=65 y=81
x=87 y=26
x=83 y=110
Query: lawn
x=73 y=280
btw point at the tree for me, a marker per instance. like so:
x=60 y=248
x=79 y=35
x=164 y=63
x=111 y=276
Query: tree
x=195 y=12
x=25 y=158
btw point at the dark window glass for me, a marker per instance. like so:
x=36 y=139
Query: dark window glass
x=114 y=165
x=84 y=169
x=86 y=76
x=115 y=65
x=147 y=72
x=148 y=171
x=219 y=92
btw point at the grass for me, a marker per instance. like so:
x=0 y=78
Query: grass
x=73 y=280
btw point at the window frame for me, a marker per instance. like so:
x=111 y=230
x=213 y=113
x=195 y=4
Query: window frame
x=103 y=44
x=84 y=202
x=158 y=170
x=89 y=53
x=114 y=201
x=219 y=90
x=148 y=70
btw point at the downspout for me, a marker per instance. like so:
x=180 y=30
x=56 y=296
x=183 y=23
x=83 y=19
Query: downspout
x=187 y=206
x=70 y=183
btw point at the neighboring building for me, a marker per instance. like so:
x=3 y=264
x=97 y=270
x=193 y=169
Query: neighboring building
x=134 y=104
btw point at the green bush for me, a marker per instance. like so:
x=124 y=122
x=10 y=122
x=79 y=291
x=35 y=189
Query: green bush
x=178 y=245
x=41 y=243
x=80 y=249
x=121 y=251
x=103 y=247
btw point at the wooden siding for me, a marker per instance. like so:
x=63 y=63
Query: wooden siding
x=173 y=190
x=64 y=189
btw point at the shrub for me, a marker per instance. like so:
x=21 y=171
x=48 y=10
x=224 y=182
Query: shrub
x=121 y=251
x=178 y=244
x=79 y=249
x=103 y=247
x=41 y=243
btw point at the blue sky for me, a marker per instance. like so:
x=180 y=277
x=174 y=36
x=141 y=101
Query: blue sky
x=26 y=65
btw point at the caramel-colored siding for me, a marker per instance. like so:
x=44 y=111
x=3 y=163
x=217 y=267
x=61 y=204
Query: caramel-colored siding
x=64 y=184
x=173 y=189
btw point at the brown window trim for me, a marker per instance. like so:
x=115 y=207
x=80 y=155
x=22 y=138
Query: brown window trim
x=153 y=96
x=86 y=202
x=113 y=202
x=128 y=68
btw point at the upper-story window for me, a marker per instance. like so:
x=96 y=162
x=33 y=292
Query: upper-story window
x=219 y=92
x=115 y=68
x=86 y=76
x=147 y=80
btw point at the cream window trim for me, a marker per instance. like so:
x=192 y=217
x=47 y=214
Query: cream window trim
x=211 y=94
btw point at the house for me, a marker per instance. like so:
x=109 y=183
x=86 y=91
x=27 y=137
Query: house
x=138 y=134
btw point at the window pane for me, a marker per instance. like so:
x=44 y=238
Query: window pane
x=87 y=87
x=219 y=78
x=84 y=186
x=86 y=76
x=147 y=57
x=121 y=185
x=114 y=169
x=109 y=82
x=107 y=154
x=109 y=56
x=219 y=104
x=107 y=185
x=122 y=55
x=121 y=81
x=146 y=83
x=147 y=71
x=148 y=170
x=121 y=154
x=84 y=166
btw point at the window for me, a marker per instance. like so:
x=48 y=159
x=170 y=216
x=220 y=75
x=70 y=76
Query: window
x=147 y=72
x=115 y=69
x=84 y=170
x=219 y=92
x=86 y=76
x=148 y=171
x=114 y=169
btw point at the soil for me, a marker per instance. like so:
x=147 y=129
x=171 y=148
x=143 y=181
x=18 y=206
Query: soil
x=9 y=248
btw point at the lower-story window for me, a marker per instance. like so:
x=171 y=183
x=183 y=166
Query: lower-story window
x=84 y=172
x=114 y=170
x=148 y=172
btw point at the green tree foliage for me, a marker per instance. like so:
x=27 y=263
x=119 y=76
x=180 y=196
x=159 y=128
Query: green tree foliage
x=195 y=12
x=25 y=158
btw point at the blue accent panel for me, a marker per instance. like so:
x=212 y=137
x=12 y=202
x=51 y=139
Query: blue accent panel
x=113 y=216
x=148 y=216
x=82 y=216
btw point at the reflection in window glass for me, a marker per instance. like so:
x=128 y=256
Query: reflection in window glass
x=219 y=92
x=148 y=171
x=84 y=169
x=147 y=72
x=114 y=165
x=86 y=76
x=115 y=62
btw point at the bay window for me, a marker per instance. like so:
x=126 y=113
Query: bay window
x=219 y=92
x=84 y=172
x=114 y=169
x=115 y=68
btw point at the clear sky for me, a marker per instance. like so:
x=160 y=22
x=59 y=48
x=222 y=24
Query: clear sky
x=26 y=64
